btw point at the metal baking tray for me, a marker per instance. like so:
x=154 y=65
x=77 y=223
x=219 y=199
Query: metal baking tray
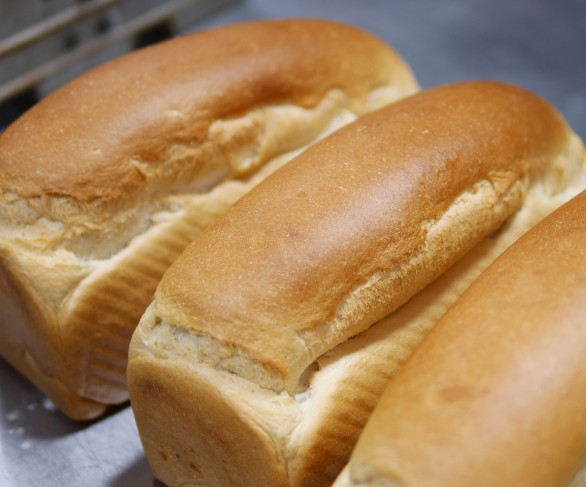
x=538 y=44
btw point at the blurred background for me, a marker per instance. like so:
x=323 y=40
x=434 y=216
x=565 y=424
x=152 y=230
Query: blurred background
x=538 y=44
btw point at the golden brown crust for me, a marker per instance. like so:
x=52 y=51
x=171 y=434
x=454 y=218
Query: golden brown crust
x=181 y=117
x=364 y=203
x=129 y=112
x=495 y=394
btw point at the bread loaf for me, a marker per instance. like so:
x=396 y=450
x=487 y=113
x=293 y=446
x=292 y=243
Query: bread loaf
x=103 y=183
x=495 y=395
x=243 y=371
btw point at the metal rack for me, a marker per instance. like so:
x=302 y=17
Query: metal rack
x=44 y=43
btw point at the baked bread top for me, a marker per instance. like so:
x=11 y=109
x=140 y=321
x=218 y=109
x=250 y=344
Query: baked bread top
x=353 y=227
x=92 y=155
